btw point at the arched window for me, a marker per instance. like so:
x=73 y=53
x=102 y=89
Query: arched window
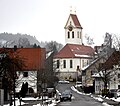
x=73 y=34
x=71 y=64
x=68 y=34
x=78 y=34
x=64 y=63
x=58 y=63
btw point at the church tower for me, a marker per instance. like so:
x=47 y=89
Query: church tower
x=73 y=30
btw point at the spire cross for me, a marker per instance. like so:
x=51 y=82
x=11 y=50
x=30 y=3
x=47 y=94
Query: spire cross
x=71 y=9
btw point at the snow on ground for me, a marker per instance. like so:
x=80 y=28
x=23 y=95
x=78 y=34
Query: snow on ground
x=52 y=103
x=99 y=98
x=17 y=102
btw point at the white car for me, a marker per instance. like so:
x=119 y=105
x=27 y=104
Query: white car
x=63 y=82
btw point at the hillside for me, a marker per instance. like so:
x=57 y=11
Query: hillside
x=8 y=39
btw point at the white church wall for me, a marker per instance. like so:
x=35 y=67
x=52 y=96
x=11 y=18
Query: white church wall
x=68 y=71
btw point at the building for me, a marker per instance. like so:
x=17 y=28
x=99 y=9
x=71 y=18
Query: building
x=89 y=71
x=34 y=59
x=112 y=67
x=74 y=55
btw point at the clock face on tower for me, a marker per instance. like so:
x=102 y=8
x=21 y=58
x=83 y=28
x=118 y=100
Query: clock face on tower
x=70 y=28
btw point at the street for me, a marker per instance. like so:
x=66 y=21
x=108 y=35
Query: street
x=77 y=99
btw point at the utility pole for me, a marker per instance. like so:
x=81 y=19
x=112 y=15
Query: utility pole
x=14 y=74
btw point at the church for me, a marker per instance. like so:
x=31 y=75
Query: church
x=69 y=61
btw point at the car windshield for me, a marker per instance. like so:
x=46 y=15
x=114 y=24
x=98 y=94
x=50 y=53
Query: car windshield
x=65 y=93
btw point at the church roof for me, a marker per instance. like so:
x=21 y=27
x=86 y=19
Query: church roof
x=75 y=51
x=75 y=20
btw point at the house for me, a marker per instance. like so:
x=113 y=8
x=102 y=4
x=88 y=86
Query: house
x=112 y=66
x=74 y=55
x=34 y=59
x=90 y=70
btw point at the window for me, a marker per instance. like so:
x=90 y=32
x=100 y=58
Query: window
x=64 y=63
x=118 y=75
x=73 y=34
x=68 y=34
x=25 y=74
x=78 y=68
x=71 y=64
x=82 y=63
x=58 y=63
x=78 y=34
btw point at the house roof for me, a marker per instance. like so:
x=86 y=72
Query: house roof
x=75 y=51
x=114 y=59
x=75 y=20
x=34 y=58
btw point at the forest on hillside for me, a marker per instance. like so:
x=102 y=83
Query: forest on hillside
x=26 y=41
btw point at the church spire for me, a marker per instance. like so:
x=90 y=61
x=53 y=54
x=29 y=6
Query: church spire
x=73 y=30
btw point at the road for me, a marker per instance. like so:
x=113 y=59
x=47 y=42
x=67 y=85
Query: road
x=77 y=99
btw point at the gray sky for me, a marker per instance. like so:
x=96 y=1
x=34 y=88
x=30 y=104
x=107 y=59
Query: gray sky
x=46 y=19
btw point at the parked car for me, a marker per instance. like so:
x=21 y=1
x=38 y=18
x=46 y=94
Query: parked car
x=114 y=93
x=66 y=95
x=63 y=82
x=78 y=84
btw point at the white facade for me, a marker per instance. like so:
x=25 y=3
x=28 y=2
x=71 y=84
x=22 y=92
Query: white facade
x=66 y=70
x=30 y=78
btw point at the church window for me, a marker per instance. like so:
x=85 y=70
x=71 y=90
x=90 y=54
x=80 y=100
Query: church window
x=71 y=64
x=64 y=63
x=68 y=34
x=78 y=34
x=82 y=63
x=58 y=63
x=73 y=34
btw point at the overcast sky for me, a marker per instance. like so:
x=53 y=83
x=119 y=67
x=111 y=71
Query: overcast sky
x=46 y=19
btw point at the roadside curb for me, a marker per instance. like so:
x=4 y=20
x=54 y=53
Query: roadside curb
x=104 y=101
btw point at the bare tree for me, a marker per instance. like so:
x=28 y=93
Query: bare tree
x=23 y=42
x=89 y=40
x=53 y=46
x=111 y=57
x=9 y=64
x=116 y=41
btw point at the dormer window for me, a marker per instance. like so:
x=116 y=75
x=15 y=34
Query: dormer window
x=73 y=34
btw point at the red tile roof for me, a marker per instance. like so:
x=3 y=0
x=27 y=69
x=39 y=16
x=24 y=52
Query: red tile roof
x=114 y=59
x=34 y=58
x=75 y=51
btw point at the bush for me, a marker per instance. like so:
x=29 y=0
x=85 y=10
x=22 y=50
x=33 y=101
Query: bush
x=24 y=90
x=105 y=92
